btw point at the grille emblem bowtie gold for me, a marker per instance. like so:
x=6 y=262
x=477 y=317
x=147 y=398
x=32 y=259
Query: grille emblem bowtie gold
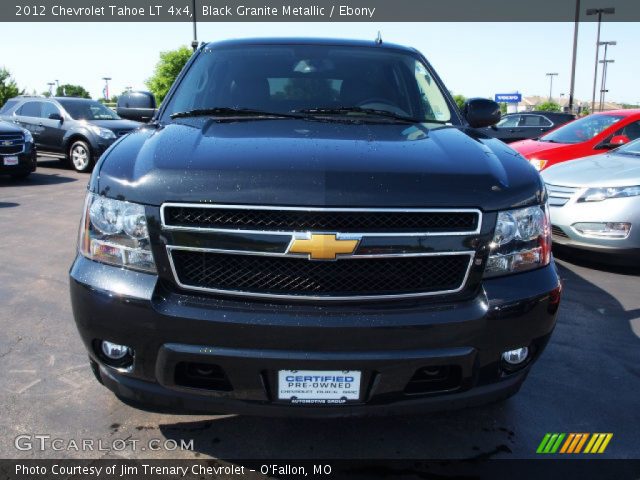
x=322 y=246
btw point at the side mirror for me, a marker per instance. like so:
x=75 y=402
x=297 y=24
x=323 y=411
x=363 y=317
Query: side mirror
x=615 y=142
x=481 y=112
x=56 y=116
x=138 y=106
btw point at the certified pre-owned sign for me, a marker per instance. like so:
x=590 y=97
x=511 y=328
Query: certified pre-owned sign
x=322 y=387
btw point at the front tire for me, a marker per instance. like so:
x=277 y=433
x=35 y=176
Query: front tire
x=80 y=156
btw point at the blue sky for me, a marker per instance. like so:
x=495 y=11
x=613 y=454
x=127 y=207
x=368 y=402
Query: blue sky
x=474 y=59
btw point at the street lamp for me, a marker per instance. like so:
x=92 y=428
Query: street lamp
x=576 y=24
x=551 y=75
x=604 y=71
x=603 y=89
x=599 y=12
x=51 y=84
x=194 y=43
x=105 y=93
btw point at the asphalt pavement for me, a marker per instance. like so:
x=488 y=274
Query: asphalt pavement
x=588 y=379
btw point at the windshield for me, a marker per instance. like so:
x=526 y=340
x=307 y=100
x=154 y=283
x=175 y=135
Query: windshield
x=299 y=78
x=88 y=110
x=581 y=130
x=632 y=148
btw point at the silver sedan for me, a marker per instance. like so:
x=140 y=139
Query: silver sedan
x=595 y=203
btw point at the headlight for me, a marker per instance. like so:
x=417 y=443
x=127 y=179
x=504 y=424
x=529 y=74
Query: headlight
x=116 y=233
x=599 y=194
x=539 y=164
x=102 y=132
x=522 y=241
x=28 y=138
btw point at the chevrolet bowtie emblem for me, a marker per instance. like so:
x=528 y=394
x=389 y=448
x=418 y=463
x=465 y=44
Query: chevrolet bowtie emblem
x=7 y=143
x=322 y=246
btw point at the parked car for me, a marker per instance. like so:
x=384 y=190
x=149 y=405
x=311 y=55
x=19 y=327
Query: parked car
x=595 y=204
x=311 y=227
x=520 y=126
x=77 y=129
x=17 y=151
x=590 y=135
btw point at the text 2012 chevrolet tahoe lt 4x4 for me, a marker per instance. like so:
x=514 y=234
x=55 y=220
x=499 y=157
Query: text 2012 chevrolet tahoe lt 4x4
x=311 y=227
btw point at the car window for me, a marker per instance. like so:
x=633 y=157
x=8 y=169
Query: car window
x=534 y=121
x=8 y=106
x=289 y=78
x=88 y=110
x=582 y=130
x=49 y=108
x=631 y=131
x=509 y=121
x=30 y=109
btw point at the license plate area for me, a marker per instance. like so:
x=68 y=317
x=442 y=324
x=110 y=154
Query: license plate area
x=11 y=160
x=319 y=387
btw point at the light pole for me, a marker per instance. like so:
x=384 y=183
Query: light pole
x=194 y=43
x=106 y=87
x=599 y=12
x=576 y=23
x=604 y=71
x=603 y=89
x=551 y=75
x=51 y=84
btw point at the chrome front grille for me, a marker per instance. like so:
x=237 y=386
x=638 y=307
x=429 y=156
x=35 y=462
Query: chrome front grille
x=254 y=251
x=11 y=143
x=559 y=195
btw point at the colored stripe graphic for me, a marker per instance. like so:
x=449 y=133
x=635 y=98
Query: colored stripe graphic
x=573 y=443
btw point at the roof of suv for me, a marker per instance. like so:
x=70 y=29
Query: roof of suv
x=309 y=41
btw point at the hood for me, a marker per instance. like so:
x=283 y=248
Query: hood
x=116 y=125
x=534 y=148
x=315 y=163
x=607 y=170
x=6 y=127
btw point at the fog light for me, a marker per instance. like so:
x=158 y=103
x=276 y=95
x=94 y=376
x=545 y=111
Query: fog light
x=114 y=351
x=618 y=230
x=515 y=357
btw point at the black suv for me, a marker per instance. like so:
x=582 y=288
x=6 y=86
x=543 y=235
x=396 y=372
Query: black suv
x=521 y=126
x=17 y=152
x=77 y=129
x=311 y=227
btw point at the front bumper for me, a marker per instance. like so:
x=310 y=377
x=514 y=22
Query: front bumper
x=387 y=342
x=27 y=162
x=614 y=210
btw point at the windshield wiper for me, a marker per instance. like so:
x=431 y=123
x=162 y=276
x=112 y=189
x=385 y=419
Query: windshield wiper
x=231 y=112
x=366 y=111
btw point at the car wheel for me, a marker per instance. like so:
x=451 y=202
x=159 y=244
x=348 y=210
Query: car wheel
x=80 y=156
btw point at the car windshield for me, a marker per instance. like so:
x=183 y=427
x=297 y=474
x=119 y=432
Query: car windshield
x=335 y=81
x=581 y=130
x=88 y=110
x=632 y=148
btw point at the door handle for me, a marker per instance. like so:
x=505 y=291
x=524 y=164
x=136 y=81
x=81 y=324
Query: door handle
x=40 y=124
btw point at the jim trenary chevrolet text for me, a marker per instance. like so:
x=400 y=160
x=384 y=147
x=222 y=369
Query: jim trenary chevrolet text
x=312 y=227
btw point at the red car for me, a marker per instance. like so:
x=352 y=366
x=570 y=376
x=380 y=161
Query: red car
x=587 y=136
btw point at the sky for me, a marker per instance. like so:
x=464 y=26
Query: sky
x=473 y=59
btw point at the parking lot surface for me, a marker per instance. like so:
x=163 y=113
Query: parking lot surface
x=588 y=379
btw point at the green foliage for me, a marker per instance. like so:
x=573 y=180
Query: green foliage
x=8 y=87
x=585 y=110
x=503 y=108
x=167 y=70
x=459 y=99
x=549 y=107
x=68 y=90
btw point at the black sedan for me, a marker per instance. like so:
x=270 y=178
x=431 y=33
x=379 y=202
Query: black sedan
x=521 y=126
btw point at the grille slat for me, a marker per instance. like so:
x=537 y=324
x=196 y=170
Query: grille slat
x=281 y=276
x=301 y=220
x=560 y=195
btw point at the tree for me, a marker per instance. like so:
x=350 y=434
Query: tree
x=549 y=107
x=68 y=90
x=8 y=87
x=167 y=70
x=503 y=108
x=459 y=99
